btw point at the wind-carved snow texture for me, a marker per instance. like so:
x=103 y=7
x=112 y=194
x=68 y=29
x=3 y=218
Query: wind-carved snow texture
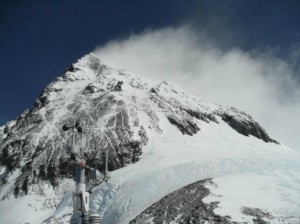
x=115 y=110
x=183 y=206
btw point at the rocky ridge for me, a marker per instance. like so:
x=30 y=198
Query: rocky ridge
x=183 y=206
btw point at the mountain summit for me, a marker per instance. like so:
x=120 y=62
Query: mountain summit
x=160 y=140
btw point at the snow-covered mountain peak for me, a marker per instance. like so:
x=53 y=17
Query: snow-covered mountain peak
x=146 y=125
x=112 y=106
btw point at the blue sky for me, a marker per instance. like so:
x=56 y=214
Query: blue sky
x=39 y=39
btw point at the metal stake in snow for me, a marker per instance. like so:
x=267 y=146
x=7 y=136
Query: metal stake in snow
x=81 y=196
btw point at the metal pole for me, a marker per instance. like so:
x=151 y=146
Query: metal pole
x=84 y=196
x=81 y=196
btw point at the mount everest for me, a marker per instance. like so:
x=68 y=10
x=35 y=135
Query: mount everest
x=175 y=158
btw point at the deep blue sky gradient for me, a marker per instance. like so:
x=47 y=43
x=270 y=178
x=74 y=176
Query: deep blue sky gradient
x=39 y=39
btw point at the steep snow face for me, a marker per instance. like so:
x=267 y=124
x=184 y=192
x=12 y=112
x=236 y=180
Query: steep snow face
x=172 y=137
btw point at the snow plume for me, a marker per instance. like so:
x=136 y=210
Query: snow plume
x=254 y=81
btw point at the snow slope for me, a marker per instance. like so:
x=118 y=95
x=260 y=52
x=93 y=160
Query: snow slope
x=160 y=139
x=247 y=173
x=217 y=152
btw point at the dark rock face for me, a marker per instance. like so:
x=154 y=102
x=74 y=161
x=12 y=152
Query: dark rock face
x=246 y=127
x=50 y=159
x=257 y=215
x=185 y=126
x=201 y=116
x=182 y=206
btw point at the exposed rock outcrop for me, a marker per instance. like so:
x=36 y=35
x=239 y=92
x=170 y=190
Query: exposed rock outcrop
x=183 y=206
